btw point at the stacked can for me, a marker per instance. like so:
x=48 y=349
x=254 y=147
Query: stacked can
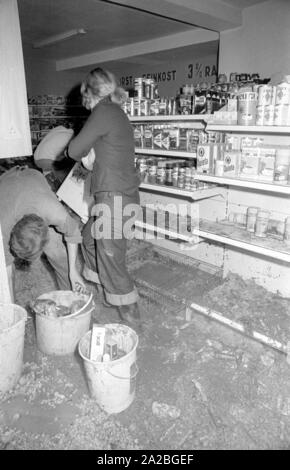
x=282 y=106
x=266 y=105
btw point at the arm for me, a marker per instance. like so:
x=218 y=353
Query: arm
x=76 y=279
x=96 y=126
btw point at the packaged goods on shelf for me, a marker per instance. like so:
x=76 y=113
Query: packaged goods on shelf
x=138 y=136
x=204 y=161
x=260 y=223
x=232 y=161
x=282 y=164
x=276 y=228
x=250 y=162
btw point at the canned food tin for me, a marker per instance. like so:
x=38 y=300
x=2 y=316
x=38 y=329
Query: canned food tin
x=252 y=218
x=262 y=223
x=139 y=87
x=137 y=107
x=282 y=165
x=247 y=102
x=169 y=174
x=260 y=114
x=152 y=172
x=219 y=168
x=265 y=94
x=142 y=167
x=181 y=178
x=283 y=94
x=282 y=115
x=269 y=115
x=233 y=76
x=161 y=173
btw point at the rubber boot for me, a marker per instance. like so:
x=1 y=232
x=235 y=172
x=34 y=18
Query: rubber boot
x=130 y=314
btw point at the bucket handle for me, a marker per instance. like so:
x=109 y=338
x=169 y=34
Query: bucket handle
x=133 y=376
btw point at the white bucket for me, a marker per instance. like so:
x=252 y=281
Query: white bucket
x=113 y=383
x=12 y=329
x=60 y=336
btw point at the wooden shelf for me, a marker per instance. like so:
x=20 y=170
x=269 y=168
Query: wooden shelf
x=249 y=129
x=256 y=185
x=196 y=195
x=166 y=153
x=228 y=234
x=176 y=117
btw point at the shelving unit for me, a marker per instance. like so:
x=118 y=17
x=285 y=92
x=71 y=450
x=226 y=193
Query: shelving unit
x=165 y=153
x=218 y=233
x=249 y=129
x=223 y=232
x=44 y=117
x=247 y=184
x=196 y=195
x=177 y=118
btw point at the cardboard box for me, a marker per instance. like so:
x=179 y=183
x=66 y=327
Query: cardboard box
x=97 y=343
x=250 y=164
x=204 y=162
x=231 y=163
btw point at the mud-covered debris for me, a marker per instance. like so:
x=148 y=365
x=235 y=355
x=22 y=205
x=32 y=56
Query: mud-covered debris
x=268 y=359
x=163 y=410
x=283 y=405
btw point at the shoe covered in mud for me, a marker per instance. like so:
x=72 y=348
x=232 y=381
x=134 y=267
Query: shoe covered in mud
x=101 y=296
x=130 y=314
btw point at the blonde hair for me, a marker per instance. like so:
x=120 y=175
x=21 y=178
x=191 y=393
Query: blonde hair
x=99 y=84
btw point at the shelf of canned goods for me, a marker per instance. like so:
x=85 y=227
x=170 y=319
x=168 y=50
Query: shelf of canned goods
x=196 y=195
x=165 y=153
x=249 y=129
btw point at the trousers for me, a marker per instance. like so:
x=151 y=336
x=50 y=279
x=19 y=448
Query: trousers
x=105 y=243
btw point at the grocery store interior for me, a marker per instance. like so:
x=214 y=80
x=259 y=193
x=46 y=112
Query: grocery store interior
x=206 y=365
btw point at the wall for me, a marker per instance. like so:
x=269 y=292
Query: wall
x=42 y=77
x=261 y=44
x=171 y=75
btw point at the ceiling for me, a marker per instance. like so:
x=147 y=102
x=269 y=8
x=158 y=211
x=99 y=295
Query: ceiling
x=107 y=24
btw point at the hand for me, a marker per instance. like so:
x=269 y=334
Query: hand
x=80 y=173
x=77 y=282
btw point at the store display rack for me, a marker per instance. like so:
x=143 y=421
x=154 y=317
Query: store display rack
x=197 y=195
x=221 y=232
x=248 y=184
x=165 y=153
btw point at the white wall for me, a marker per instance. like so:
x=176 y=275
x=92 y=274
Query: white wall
x=261 y=44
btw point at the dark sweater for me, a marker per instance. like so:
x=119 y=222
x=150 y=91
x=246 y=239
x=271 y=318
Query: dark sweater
x=109 y=131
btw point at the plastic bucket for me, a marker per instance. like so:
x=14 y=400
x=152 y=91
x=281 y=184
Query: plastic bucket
x=60 y=336
x=12 y=329
x=112 y=383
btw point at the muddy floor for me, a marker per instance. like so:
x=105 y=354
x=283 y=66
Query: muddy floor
x=200 y=385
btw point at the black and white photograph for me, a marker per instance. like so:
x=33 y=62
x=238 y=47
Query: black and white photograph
x=145 y=228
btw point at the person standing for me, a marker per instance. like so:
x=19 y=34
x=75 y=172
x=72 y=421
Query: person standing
x=109 y=133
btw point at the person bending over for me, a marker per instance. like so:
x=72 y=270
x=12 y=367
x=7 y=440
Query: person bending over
x=33 y=222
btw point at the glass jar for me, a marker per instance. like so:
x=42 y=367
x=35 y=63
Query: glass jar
x=262 y=223
x=252 y=218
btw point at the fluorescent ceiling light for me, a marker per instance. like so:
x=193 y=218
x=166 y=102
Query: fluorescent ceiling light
x=58 y=38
